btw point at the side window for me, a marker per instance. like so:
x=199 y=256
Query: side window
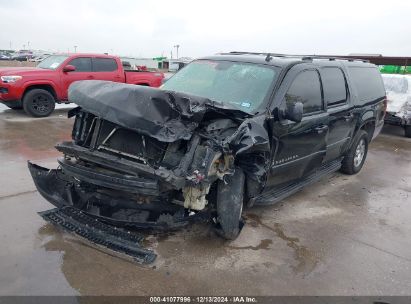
x=306 y=88
x=334 y=86
x=82 y=64
x=104 y=65
x=368 y=82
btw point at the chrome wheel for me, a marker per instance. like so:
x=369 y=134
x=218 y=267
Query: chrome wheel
x=359 y=153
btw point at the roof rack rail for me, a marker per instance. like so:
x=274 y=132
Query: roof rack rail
x=303 y=57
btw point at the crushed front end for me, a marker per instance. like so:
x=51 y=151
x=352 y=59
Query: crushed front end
x=145 y=158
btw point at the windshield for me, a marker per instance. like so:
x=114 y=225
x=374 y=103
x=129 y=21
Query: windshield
x=243 y=85
x=52 y=62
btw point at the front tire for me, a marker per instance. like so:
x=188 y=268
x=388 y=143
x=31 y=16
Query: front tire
x=355 y=158
x=230 y=196
x=38 y=103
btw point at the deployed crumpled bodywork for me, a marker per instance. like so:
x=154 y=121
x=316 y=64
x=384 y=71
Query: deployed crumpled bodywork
x=142 y=156
x=398 y=89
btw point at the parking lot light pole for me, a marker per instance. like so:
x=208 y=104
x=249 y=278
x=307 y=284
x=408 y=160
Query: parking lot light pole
x=75 y=49
x=177 y=46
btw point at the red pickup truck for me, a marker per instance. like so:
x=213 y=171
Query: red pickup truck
x=38 y=89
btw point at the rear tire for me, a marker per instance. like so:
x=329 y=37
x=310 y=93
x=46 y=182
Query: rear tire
x=38 y=103
x=407 y=131
x=230 y=196
x=14 y=105
x=355 y=157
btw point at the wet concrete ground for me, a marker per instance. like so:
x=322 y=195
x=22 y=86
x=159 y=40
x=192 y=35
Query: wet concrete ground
x=345 y=235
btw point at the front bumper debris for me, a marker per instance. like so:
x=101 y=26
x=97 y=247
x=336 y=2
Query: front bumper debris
x=64 y=190
x=113 y=180
x=120 y=242
x=110 y=161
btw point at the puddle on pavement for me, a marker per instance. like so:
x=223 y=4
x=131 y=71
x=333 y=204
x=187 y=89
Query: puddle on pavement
x=264 y=244
x=86 y=267
x=17 y=139
x=306 y=260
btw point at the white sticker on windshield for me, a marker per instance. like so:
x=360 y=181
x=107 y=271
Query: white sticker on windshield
x=246 y=104
x=54 y=65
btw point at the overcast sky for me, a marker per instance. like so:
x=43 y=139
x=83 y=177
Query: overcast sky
x=151 y=28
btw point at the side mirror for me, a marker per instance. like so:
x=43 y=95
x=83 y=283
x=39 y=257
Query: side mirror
x=294 y=111
x=69 y=68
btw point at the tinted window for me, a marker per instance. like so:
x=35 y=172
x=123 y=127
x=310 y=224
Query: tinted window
x=368 y=83
x=334 y=87
x=104 y=65
x=81 y=64
x=306 y=88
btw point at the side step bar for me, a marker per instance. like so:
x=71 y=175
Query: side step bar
x=279 y=193
x=104 y=236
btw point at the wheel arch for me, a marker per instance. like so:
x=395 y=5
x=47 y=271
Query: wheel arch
x=46 y=86
x=369 y=127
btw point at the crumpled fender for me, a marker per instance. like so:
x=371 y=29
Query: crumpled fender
x=251 y=146
x=251 y=136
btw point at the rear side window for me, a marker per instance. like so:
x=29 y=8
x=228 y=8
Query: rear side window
x=82 y=64
x=104 y=65
x=334 y=86
x=306 y=88
x=368 y=83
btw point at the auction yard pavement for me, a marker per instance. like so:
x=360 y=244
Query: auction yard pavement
x=345 y=235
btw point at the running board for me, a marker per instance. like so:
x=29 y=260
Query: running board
x=279 y=193
x=121 y=242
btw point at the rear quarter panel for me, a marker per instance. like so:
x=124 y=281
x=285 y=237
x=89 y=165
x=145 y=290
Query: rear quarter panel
x=367 y=111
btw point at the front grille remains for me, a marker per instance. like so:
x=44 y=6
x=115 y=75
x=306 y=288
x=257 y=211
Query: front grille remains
x=94 y=133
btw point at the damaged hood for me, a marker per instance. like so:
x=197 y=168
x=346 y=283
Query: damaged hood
x=164 y=115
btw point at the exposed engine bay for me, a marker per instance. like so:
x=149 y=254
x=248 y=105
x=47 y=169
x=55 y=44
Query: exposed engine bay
x=150 y=158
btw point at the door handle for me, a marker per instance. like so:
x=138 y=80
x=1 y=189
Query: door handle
x=348 y=117
x=90 y=77
x=321 y=129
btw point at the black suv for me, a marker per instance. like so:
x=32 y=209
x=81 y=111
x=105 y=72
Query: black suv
x=226 y=131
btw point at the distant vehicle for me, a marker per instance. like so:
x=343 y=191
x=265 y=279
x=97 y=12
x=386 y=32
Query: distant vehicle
x=39 y=58
x=36 y=90
x=227 y=131
x=22 y=55
x=398 y=101
x=177 y=64
x=5 y=57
